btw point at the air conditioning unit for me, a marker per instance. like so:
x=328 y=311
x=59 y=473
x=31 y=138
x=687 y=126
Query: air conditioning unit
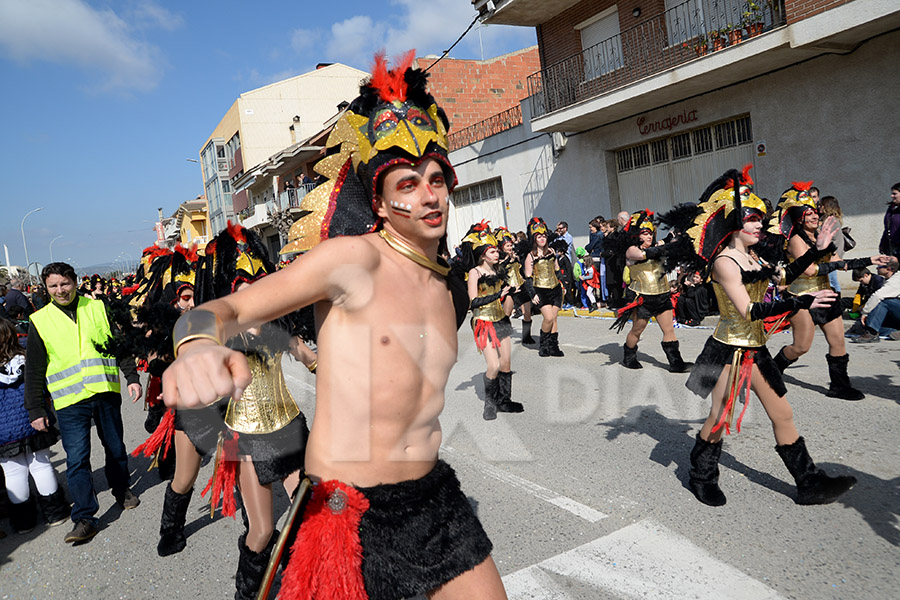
x=559 y=142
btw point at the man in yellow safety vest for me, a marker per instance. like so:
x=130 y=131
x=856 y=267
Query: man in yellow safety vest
x=62 y=359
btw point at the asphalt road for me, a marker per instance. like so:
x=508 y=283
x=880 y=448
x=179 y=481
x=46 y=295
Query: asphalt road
x=583 y=494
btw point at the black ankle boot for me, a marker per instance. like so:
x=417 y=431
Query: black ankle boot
x=814 y=486
x=171 y=523
x=840 y=382
x=544 y=349
x=491 y=392
x=526 y=333
x=553 y=345
x=504 y=397
x=629 y=358
x=783 y=361
x=251 y=568
x=23 y=516
x=704 y=475
x=673 y=355
x=55 y=507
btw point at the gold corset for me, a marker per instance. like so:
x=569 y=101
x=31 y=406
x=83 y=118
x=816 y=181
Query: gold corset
x=733 y=329
x=807 y=284
x=544 y=272
x=266 y=405
x=489 y=312
x=514 y=274
x=648 y=277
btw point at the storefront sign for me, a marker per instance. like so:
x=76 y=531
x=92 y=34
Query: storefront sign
x=667 y=124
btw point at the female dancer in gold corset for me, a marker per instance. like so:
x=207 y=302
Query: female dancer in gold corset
x=797 y=219
x=648 y=294
x=728 y=221
x=518 y=296
x=487 y=292
x=543 y=285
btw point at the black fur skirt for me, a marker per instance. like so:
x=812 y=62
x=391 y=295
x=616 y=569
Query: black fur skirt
x=491 y=332
x=278 y=454
x=418 y=535
x=641 y=306
x=550 y=296
x=202 y=425
x=716 y=355
x=521 y=297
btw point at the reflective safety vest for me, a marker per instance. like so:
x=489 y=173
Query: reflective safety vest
x=75 y=368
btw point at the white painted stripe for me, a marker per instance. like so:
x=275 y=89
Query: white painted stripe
x=307 y=386
x=538 y=491
x=644 y=560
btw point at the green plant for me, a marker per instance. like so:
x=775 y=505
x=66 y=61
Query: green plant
x=753 y=14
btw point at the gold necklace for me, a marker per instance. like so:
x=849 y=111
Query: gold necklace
x=412 y=254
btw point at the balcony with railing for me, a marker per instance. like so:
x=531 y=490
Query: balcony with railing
x=258 y=214
x=493 y=125
x=674 y=37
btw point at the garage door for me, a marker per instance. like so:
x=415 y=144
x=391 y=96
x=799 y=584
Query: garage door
x=472 y=204
x=675 y=169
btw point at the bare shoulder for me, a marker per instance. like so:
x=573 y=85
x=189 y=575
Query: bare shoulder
x=356 y=249
x=726 y=267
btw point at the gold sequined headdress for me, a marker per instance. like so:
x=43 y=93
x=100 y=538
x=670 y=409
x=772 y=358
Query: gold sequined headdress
x=480 y=235
x=393 y=121
x=726 y=204
x=793 y=205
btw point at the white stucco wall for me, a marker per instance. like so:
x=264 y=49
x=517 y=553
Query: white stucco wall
x=832 y=119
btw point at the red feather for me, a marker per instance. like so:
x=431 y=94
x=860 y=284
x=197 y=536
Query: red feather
x=745 y=176
x=223 y=478
x=161 y=438
x=801 y=186
x=236 y=231
x=326 y=559
x=391 y=85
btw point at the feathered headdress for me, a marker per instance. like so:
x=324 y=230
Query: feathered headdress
x=476 y=242
x=793 y=206
x=726 y=204
x=393 y=121
x=535 y=226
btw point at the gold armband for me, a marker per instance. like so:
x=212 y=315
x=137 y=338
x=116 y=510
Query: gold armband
x=312 y=366
x=197 y=324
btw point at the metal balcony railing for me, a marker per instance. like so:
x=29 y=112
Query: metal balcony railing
x=671 y=38
x=493 y=125
x=291 y=198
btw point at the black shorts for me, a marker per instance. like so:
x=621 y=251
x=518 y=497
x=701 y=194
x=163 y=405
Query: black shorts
x=202 y=425
x=653 y=304
x=550 y=296
x=820 y=316
x=521 y=297
x=715 y=355
x=278 y=454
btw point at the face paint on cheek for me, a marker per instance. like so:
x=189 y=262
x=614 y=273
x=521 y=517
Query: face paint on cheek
x=400 y=209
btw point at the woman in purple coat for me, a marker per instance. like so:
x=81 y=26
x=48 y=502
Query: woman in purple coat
x=890 y=239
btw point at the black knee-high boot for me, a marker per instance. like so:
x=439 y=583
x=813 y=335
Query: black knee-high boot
x=814 y=486
x=704 y=475
x=251 y=568
x=782 y=361
x=673 y=355
x=544 y=349
x=629 y=358
x=526 y=333
x=171 y=523
x=840 y=382
x=23 y=516
x=491 y=393
x=553 y=345
x=55 y=507
x=504 y=395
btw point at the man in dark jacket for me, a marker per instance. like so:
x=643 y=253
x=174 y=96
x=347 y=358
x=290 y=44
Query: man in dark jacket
x=15 y=297
x=890 y=239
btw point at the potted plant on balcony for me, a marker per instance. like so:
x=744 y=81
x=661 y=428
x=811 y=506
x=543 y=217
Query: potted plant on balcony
x=716 y=39
x=699 y=45
x=732 y=33
x=753 y=18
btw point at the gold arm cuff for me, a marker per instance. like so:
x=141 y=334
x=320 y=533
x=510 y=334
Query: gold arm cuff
x=749 y=308
x=312 y=366
x=197 y=324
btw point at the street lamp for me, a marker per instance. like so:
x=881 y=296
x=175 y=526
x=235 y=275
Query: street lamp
x=51 y=246
x=25 y=245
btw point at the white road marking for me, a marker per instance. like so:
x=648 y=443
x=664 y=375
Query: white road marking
x=307 y=386
x=538 y=491
x=644 y=560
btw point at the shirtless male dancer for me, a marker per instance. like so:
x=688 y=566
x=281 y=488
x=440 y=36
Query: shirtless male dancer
x=387 y=339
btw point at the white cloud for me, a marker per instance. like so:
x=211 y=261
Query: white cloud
x=151 y=14
x=304 y=39
x=71 y=32
x=429 y=27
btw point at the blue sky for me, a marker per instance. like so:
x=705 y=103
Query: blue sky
x=104 y=100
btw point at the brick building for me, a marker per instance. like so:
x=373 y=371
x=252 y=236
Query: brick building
x=641 y=103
